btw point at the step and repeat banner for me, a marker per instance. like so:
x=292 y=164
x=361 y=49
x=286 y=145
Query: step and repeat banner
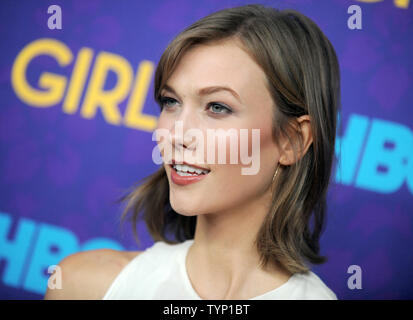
x=77 y=115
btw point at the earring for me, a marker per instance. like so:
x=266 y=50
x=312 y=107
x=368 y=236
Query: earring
x=275 y=174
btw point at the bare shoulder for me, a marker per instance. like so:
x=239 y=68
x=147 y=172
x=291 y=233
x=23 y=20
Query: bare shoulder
x=89 y=274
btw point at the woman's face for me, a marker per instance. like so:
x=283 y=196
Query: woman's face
x=224 y=187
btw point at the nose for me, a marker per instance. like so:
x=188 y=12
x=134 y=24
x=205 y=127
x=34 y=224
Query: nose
x=180 y=139
x=183 y=139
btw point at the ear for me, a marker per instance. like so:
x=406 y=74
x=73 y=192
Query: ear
x=302 y=128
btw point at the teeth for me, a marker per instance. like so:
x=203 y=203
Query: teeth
x=184 y=174
x=188 y=169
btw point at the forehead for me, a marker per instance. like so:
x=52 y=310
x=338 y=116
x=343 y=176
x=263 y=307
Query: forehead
x=221 y=63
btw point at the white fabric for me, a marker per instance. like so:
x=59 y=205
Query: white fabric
x=159 y=273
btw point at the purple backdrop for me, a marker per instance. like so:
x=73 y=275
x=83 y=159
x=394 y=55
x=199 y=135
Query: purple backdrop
x=63 y=167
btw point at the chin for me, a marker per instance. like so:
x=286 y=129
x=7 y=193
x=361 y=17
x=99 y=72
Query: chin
x=185 y=208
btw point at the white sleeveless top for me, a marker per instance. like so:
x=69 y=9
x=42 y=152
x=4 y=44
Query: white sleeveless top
x=159 y=273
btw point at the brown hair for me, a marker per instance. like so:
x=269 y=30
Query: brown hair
x=303 y=77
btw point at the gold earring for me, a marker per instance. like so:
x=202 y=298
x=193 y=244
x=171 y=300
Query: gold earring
x=275 y=174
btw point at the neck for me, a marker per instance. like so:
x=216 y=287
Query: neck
x=223 y=260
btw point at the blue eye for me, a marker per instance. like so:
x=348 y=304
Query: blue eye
x=165 y=101
x=220 y=107
x=169 y=102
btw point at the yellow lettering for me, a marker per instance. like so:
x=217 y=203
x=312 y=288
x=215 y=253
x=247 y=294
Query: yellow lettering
x=77 y=81
x=54 y=84
x=134 y=117
x=402 y=3
x=108 y=100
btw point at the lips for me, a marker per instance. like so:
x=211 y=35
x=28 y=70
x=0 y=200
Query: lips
x=186 y=180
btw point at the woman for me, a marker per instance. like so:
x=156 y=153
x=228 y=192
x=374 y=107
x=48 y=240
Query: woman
x=236 y=236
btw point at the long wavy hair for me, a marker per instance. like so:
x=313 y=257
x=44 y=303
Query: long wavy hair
x=303 y=77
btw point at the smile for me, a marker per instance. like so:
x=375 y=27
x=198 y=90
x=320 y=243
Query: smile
x=185 y=174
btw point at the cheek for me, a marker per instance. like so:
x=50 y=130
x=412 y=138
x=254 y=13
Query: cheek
x=267 y=145
x=240 y=146
x=253 y=158
x=162 y=122
x=254 y=147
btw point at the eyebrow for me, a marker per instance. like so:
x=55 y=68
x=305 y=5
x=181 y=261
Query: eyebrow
x=208 y=90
